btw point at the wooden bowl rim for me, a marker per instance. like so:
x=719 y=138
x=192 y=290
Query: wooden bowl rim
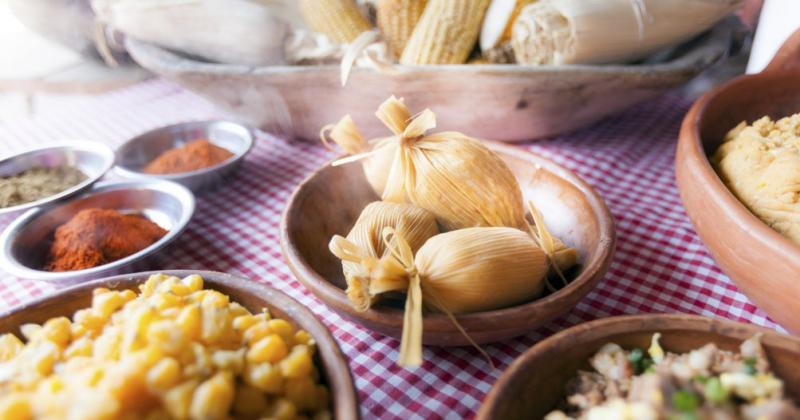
x=711 y=46
x=579 y=286
x=335 y=365
x=691 y=143
x=622 y=325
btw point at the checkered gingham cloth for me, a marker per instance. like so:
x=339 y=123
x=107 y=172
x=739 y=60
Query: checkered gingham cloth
x=660 y=264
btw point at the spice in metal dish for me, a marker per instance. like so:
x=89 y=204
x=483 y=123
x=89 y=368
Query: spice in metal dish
x=192 y=156
x=37 y=183
x=94 y=237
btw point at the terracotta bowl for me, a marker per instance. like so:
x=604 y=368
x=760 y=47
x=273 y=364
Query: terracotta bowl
x=762 y=263
x=534 y=384
x=329 y=201
x=252 y=295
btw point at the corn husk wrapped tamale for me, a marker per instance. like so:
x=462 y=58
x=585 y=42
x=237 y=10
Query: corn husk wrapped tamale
x=465 y=270
x=365 y=245
x=453 y=176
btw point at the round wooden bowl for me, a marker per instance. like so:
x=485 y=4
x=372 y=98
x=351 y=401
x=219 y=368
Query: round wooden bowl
x=330 y=200
x=534 y=384
x=253 y=296
x=762 y=263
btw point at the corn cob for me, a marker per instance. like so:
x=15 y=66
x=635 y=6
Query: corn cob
x=396 y=20
x=340 y=20
x=446 y=32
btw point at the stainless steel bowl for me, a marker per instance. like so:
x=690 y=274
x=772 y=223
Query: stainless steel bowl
x=137 y=152
x=93 y=159
x=26 y=241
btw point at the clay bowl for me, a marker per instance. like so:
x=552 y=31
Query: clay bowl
x=254 y=296
x=534 y=384
x=329 y=201
x=762 y=263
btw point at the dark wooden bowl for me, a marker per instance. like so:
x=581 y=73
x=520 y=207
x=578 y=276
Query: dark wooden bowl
x=253 y=296
x=762 y=263
x=329 y=201
x=534 y=384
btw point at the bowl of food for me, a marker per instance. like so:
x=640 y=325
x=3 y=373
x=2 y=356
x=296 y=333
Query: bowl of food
x=604 y=56
x=107 y=230
x=46 y=174
x=463 y=247
x=198 y=155
x=653 y=366
x=737 y=175
x=177 y=344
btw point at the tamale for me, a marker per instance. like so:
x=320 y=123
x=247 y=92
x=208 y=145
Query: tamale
x=366 y=245
x=465 y=270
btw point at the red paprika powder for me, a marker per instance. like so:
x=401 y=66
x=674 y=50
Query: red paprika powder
x=192 y=156
x=94 y=237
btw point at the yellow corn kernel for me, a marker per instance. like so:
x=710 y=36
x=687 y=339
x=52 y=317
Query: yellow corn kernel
x=282 y=409
x=57 y=330
x=43 y=357
x=164 y=374
x=304 y=338
x=301 y=392
x=15 y=406
x=100 y=290
x=237 y=310
x=190 y=321
x=298 y=363
x=193 y=282
x=282 y=328
x=78 y=330
x=80 y=347
x=446 y=32
x=249 y=401
x=215 y=299
x=105 y=304
x=127 y=295
x=178 y=399
x=30 y=331
x=107 y=345
x=167 y=336
x=149 y=286
x=340 y=20
x=215 y=323
x=200 y=361
x=52 y=385
x=264 y=376
x=256 y=332
x=269 y=349
x=232 y=360
x=396 y=20
x=88 y=319
x=161 y=301
x=10 y=346
x=243 y=322
x=213 y=398
x=263 y=316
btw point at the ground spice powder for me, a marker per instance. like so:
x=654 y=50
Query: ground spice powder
x=37 y=183
x=193 y=156
x=95 y=237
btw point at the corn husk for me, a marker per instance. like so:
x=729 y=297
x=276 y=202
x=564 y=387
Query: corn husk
x=376 y=156
x=225 y=31
x=396 y=20
x=466 y=270
x=495 y=38
x=365 y=243
x=449 y=174
x=609 y=31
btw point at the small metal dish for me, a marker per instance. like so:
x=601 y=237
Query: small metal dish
x=25 y=242
x=92 y=158
x=137 y=152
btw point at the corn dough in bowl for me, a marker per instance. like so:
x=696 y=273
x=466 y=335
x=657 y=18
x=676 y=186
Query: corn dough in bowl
x=760 y=164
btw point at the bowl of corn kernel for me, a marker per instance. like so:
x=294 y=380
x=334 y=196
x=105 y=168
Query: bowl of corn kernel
x=171 y=345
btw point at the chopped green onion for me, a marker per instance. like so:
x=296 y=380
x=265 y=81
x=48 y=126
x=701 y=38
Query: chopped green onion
x=750 y=366
x=640 y=361
x=714 y=392
x=685 y=401
x=636 y=355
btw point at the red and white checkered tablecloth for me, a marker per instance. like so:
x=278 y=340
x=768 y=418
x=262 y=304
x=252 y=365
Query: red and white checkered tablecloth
x=660 y=264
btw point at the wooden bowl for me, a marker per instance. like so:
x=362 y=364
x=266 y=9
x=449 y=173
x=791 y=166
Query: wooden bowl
x=534 y=384
x=254 y=296
x=762 y=263
x=330 y=200
x=494 y=101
